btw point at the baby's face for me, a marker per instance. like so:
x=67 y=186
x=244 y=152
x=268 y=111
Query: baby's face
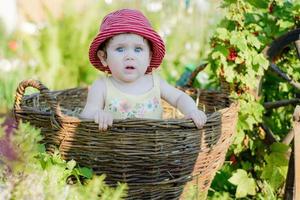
x=127 y=56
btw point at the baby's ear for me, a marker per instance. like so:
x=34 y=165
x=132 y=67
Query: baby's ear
x=102 y=56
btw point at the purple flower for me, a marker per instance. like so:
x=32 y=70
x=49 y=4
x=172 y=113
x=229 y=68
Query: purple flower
x=6 y=147
x=9 y=125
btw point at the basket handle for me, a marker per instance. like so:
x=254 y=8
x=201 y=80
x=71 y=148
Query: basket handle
x=194 y=75
x=43 y=90
x=225 y=87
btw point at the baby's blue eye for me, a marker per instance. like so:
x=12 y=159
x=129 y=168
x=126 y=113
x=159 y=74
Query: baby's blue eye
x=120 y=49
x=138 y=49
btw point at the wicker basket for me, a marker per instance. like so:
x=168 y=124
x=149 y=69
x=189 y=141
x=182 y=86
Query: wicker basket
x=156 y=158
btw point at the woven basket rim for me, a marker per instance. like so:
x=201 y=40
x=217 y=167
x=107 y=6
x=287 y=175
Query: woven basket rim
x=71 y=119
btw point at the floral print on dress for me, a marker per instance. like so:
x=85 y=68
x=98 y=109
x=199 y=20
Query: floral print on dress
x=137 y=110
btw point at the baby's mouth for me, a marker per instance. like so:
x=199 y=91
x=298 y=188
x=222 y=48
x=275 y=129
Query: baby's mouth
x=129 y=67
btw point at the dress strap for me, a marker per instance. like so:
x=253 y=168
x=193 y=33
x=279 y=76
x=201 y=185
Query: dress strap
x=109 y=85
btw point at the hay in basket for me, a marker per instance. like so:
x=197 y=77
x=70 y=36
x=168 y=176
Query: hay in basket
x=158 y=159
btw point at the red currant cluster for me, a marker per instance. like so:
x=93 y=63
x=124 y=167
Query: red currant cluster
x=232 y=54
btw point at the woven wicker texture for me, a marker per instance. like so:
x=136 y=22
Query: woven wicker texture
x=156 y=158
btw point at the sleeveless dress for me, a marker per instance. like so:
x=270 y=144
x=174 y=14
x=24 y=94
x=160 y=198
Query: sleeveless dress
x=122 y=105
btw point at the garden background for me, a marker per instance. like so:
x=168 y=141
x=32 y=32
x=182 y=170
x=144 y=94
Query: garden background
x=49 y=41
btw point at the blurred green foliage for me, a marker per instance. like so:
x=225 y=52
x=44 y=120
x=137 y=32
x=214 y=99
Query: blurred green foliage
x=34 y=174
x=57 y=52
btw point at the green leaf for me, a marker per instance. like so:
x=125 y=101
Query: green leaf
x=41 y=148
x=285 y=24
x=277 y=159
x=56 y=158
x=119 y=192
x=279 y=148
x=258 y=3
x=254 y=41
x=220 y=181
x=229 y=73
x=260 y=60
x=71 y=164
x=274 y=176
x=277 y=163
x=242 y=125
x=222 y=33
x=245 y=185
x=222 y=49
x=251 y=113
x=238 y=40
x=250 y=18
x=86 y=172
x=240 y=135
x=250 y=121
x=246 y=165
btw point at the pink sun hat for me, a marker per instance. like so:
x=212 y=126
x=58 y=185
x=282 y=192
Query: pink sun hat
x=127 y=21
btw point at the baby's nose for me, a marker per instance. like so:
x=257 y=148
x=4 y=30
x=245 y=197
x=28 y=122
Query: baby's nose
x=130 y=55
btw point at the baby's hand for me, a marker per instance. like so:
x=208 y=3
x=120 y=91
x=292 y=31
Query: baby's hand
x=104 y=119
x=198 y=117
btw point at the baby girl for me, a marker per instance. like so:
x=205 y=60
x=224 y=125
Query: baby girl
x=129 y=50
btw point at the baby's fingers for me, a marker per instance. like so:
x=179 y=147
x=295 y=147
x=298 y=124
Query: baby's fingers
x=109 y=121
x=199 y=123
x=96 y=118
x=200 y=120
x=102 y=124
x=204 y=118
